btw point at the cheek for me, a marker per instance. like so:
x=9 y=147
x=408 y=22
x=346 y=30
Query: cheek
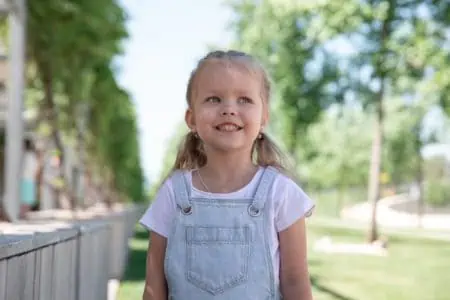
x=257 y=117
x=204 y=117
x=253 y=122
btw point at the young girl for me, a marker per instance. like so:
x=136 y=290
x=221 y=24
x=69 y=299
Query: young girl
x=227 y=223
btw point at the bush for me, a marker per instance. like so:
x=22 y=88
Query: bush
x=437 y=193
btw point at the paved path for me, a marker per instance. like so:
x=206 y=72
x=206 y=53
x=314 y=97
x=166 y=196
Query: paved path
x=390 y=218
x=412 y=232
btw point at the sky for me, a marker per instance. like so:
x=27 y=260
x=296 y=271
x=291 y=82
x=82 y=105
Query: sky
x=166 y=40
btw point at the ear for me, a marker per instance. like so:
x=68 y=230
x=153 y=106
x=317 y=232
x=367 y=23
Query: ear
x=265 y=117
x=190 y=119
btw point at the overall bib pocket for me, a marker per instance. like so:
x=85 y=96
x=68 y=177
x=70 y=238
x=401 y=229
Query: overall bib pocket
x=217 y=257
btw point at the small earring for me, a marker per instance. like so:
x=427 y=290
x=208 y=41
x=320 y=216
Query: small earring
x=195 y=134
x=260 y=136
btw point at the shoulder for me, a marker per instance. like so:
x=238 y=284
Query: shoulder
x=289 y=201
x=283 y=183
x=179 y=173
x=174 y=180
x=159 y=215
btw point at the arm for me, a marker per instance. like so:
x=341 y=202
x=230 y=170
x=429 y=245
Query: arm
x=294 y=275
x=155 y=281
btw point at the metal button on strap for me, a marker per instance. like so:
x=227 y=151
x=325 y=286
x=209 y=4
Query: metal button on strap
x=253 y=211
x=187 y=210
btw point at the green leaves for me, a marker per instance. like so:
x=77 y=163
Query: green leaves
x=361 y=53
x=339 y=149
x=285 y=37
x=73 y=44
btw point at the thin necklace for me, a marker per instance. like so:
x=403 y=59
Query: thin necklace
x=202 y=182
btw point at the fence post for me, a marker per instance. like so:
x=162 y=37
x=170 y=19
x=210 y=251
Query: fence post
x=15 y=122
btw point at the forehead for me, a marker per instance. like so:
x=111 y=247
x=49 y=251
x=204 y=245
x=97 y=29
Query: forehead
x=225 y=75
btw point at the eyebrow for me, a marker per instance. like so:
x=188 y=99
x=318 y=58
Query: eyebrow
x=218 y=92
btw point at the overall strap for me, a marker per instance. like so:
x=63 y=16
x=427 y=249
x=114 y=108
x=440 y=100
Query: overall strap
x=181 y=190
x=266 y=182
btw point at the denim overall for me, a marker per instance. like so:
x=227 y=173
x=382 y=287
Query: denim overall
x=219 y=248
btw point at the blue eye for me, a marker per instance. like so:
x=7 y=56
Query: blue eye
x=244 y=100
x=213 y=99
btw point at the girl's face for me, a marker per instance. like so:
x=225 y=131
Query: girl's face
x=226 y=107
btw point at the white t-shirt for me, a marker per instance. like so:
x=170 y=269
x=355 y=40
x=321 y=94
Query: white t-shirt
x=287 y=203
x=30 y=165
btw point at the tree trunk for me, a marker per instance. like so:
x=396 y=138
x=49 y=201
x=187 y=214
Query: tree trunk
x=420 y=200
x=340 y=199
x=375 y=167
x=51 y=116
x=40 y=154
x=377 y=144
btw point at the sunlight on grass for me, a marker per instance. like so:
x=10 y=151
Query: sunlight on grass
x=415 y=269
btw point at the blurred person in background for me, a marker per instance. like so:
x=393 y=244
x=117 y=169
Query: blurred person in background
x=28 y=178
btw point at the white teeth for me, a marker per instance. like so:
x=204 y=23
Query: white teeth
x=228 y=127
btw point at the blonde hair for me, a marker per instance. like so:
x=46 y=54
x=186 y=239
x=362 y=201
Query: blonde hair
x=191 y=154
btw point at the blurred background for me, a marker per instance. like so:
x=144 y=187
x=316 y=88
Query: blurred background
x=92 y=105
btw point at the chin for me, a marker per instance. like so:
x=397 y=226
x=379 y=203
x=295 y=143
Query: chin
x=231 y=147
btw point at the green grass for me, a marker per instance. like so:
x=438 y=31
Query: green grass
x=132 y=285
x=415 y=268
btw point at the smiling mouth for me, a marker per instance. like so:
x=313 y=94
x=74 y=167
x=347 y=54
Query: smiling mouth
x=228 y=127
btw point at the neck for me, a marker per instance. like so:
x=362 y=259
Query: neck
x=227 y=173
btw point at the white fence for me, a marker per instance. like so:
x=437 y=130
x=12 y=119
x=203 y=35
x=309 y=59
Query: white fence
x=59 y=259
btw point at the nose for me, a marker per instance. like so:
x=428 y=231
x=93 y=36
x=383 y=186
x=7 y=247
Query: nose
x=228 y=109
x=228 y=113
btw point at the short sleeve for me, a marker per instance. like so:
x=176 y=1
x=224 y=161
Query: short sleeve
x=293 y=203
x=160 y=214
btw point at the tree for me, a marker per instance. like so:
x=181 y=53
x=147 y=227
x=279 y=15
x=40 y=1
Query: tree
x=73 y=71
x=340 y=149
x=394 y=42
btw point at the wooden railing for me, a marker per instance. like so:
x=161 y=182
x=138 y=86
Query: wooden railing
x=58 y=258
